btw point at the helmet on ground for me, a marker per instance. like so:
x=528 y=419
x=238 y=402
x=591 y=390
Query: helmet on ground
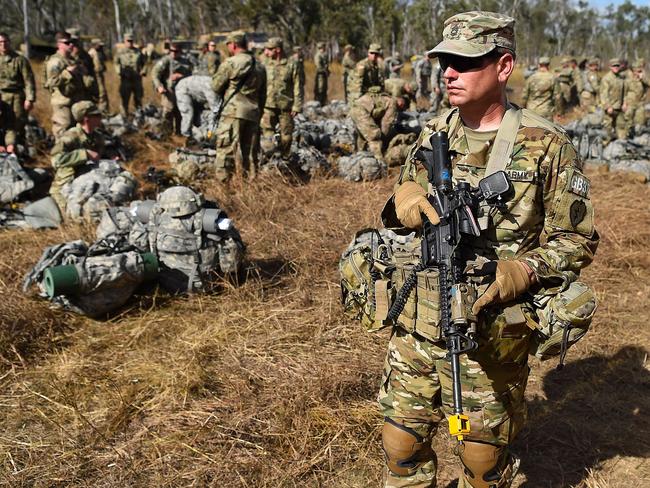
x=179 y=201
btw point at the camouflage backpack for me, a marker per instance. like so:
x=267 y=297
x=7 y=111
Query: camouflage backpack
x=362 y=166
x=365 y=268
x=90 y=280
x=14 y=180
x=194 y=241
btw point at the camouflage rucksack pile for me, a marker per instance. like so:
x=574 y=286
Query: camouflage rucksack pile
x=14 y=179
x=361 y=166
x=91 y=280
x=587 y=135
x=118 y=125
x=148 y=119
x=190 y=164
x=304 y=162
x=629 y=155
x=104 y=184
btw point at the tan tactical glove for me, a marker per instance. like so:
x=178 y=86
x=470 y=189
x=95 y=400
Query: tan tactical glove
x=410 y=202
x=512 y=279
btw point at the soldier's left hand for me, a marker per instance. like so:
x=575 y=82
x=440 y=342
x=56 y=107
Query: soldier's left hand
x=512 y=278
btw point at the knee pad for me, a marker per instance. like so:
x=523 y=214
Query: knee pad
x=487 y=465
x=405 y=449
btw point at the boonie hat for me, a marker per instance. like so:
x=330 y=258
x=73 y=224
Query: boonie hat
x=84 y=109
x=474 y=34
x=375 y=48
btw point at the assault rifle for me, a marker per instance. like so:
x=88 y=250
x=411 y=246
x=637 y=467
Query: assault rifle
x=442 y=249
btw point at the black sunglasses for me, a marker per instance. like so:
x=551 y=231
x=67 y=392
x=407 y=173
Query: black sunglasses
x=462 y=64
x=67 y=43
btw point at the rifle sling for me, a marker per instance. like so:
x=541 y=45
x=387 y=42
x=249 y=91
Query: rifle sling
x=504 y=141
x=240 y=85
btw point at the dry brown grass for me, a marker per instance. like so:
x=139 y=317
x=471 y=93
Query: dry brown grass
x=267 y=385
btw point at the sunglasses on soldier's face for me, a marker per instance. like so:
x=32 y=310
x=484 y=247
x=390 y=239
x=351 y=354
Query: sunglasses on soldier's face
x=462 y=64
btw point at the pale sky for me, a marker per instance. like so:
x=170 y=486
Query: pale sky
x=604 y=3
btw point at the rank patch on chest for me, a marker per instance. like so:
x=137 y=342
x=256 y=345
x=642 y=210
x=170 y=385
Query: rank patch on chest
x=520 y=175
x=579 y=185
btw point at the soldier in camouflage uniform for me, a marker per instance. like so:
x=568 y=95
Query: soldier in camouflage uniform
x=209 y=60
x=77 y=146
x=240 y=81
x=82 y=58
x=393 y=65
x=67 y=83
x=541 y=91
x=535 y=243
x=422 y=70
x=403 y=91
x=96 y=53
x=374 y=115
x=130 y=67
x=17 y=91
x=590 y=85
x=322 y=73
x=368 y=73
x=285 y=86
x=166 y=73
x=566 y=85
x=636 y=91
x=348 y=64
x=611 y=98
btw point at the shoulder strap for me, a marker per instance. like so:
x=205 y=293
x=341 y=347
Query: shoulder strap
x=504 y=141
x=241 y=83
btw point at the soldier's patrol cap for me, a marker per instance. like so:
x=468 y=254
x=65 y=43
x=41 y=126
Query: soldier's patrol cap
x=97 y=42
x=320 y=45
x=594 y=61
x=474 y=34
x=544 y=60
x=74 y=33
x=348 y=46
x=128 y=36
x=84 y=109
x=375 y=48
x=238 y=37
x=62 y=36
x=273 y=43
x=638 y=64
x=615 y=62
x=297 y=49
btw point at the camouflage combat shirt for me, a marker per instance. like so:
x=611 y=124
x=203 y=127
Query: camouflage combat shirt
x=549 y=220
x=16 y=75
x=129 y=63
x=285 y=85
x=612 y=88
x=540 y=93
x=367 y=74
x=67 y=88
x=70 y=152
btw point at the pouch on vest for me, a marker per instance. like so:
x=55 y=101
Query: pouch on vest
x=563 y=321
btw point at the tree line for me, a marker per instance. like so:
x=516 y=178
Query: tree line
x=544 y=27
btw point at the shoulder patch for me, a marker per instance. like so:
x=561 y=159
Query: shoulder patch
x=579 y=185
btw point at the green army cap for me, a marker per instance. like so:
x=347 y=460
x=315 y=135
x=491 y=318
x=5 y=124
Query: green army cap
x=84 y=109
x=74 y=33
x=544 y=60
x=595 y=60
x=474 y=34
x=274 y=42
x=96 y=41
x=639 y=64
x=615 y=62
x=128 y=36
x=375 y=48
x=320 y=45
x=297 y=49
x=348 y=47
x=238 y=37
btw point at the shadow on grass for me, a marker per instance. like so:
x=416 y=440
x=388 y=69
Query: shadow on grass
x=596 y=409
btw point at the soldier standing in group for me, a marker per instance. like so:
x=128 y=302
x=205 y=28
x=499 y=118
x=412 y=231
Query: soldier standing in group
x=531 y=246
x=636 y=91
x=98 y=56
x=590 y=85
x=17 y=92
x=81 y=57
x=298 y=58
x=611 y=99
x=168 y=71
x=348 y=64
x=130 y=68
x=541 y=91
x=240 y=81
x=566 y=85
x=285 y=86
x=374 y=115
x=393 y=66
x=67 y=83
x=422 y=70
x=322 y=73
x=209 y=60
x=368 y=72
x=77 y=146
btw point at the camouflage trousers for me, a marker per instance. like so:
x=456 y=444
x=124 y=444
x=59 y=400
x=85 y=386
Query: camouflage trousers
x=130 y=87
x=275 y=120
x=416 y=391
x=16 y=116
x=634 y=117
x=346 y=78
x=614 y=125
x=102 y=94
x=238 y=142
x=320 y=88
x=171 y=123
x=61 y=120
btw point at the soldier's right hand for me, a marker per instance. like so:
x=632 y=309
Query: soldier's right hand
x=161 y=89
x=94 y=155
x=411 y=202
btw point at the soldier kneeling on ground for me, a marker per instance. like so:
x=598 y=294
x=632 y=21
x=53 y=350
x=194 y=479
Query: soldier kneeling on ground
x=374 y=115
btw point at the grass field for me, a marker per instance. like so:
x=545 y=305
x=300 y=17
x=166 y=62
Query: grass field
x=267 y=385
